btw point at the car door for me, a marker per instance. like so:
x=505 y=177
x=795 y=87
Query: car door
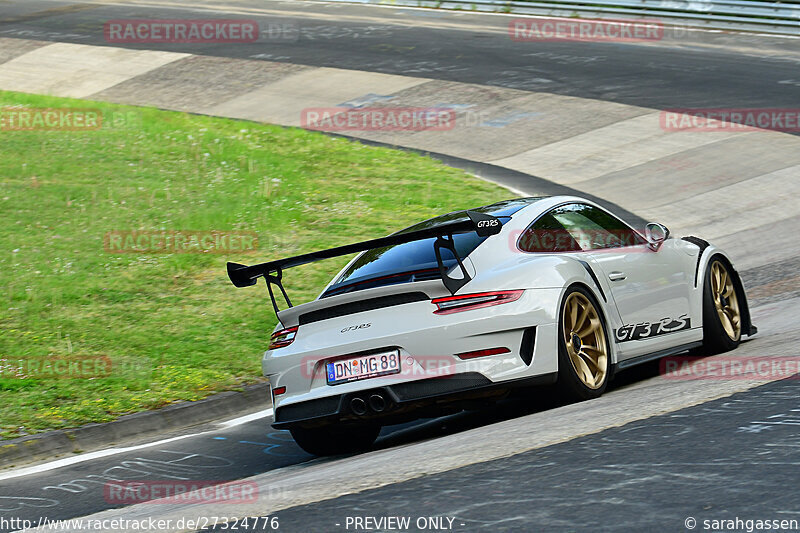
x=650 y=289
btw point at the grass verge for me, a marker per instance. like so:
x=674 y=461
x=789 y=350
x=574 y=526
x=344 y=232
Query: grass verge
x=171 y=324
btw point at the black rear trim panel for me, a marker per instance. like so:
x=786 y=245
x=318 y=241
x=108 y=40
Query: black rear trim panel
x=590 y=270
x=527 y=345
x=370 y=304
x=408 y=398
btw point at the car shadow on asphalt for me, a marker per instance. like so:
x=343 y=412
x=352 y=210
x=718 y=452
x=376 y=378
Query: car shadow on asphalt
x=520 y=403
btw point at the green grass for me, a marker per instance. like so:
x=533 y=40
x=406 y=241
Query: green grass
x=175 y=317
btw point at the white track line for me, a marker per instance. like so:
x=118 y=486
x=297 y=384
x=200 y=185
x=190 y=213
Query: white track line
x=52 y=465
x=245 y=419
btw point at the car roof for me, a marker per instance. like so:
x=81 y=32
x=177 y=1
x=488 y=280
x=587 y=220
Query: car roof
x=504 y=208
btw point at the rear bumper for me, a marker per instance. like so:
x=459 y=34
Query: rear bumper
x=403 y=401
x=436 y=354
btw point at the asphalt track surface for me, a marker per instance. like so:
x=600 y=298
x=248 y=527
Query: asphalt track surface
x=685 y=69
x=658 y=474
x=224 y=454
x=701 y=461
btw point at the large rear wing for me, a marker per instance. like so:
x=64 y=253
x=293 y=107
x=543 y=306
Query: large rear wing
x=272 y=271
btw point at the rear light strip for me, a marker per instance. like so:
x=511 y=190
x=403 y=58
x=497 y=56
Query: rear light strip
x=482 y=353
x=283 y=337
x=466 y=302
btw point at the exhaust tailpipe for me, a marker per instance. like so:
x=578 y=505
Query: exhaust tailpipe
x=377 y=403
x=358 y=406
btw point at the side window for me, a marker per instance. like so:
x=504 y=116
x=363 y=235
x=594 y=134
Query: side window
x=578 y=227
x=547 y=234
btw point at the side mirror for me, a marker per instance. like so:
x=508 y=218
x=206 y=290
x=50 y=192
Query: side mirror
x=655 y=234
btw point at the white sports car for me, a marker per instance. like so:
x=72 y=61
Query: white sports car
x=468 y=305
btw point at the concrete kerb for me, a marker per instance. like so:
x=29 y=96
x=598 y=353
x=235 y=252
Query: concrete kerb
x=517 y=182
x=52 y=444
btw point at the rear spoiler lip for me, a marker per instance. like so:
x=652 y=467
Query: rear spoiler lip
x=290 y=316
x=246 y=276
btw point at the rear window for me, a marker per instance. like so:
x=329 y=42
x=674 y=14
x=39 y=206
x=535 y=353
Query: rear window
x=416 y=261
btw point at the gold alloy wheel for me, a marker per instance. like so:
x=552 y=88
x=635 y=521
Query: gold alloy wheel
x=585 y=340
x=725 y=301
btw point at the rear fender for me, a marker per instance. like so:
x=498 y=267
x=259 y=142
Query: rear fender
x=529 y=271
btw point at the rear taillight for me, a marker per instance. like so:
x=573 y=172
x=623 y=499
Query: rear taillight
x=277 y=391
x=283 y=337
x=466 y=302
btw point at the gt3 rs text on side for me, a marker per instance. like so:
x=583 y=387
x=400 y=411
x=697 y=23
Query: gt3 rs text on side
x=466 y=306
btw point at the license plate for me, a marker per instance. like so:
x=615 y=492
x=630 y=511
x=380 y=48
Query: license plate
x=363 y=367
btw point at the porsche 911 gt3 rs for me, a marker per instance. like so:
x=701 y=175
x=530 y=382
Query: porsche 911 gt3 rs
x=466 y=306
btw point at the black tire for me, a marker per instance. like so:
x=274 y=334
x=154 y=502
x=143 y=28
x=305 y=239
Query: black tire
x=335 y=440
x=715 y=338
x=570 y=385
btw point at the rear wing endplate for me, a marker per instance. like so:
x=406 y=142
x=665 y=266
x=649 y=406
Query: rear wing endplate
x=482 y=224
